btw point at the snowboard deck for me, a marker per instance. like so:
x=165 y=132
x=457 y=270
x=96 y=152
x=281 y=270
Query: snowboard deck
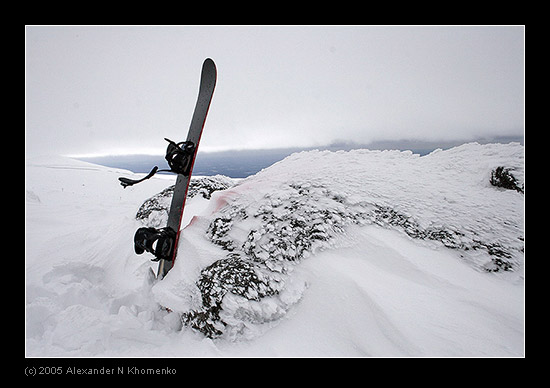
x=175 y=215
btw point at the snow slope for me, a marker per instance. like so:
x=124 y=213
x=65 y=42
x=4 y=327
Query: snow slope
x=360 y=253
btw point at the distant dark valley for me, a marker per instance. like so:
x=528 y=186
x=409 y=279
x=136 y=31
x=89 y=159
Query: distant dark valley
x=243 y=163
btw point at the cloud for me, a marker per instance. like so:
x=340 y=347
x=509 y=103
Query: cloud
x=122 y=89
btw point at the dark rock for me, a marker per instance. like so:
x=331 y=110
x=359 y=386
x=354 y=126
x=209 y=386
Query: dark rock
x=502 y=177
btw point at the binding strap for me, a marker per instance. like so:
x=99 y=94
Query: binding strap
x=125 y=182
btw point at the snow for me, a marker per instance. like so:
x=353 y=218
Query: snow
x=359 y=253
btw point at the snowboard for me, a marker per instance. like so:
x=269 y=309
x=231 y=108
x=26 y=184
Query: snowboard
x=175 y=215
x=180 y=156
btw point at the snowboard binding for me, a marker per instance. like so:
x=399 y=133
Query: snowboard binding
x=159 y=242
x=179 y=157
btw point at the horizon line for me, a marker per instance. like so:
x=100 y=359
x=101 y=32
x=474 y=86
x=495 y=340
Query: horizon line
x=375 y=144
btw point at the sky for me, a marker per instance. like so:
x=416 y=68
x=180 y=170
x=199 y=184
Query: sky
x=96 y=90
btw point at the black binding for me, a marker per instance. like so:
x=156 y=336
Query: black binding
x=179 y=157
x=165 y=239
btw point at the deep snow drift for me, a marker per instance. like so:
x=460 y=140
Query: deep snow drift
x=360 y=253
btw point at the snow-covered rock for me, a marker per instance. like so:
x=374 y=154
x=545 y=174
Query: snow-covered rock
x=154 y=211
x=304 y=204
